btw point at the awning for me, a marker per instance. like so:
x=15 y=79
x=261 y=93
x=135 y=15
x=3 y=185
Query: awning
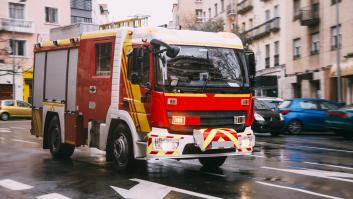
x=346 y=68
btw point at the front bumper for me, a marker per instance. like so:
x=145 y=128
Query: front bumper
x=162 y=145
x=268 y=126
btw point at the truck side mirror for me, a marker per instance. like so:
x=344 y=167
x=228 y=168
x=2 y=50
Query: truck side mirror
x=251 y=65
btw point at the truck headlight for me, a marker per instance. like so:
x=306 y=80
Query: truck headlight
x=259 y=117
x=165 y=144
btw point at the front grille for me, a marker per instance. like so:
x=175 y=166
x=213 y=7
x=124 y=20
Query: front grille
x=208 y=119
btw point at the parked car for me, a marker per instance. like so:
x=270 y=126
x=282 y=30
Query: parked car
x=14 y=108
x=272 y=102
x=267 y=120
x=341 y=121
x=306 y=114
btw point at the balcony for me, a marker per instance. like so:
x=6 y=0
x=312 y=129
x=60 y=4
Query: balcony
x=262 y=30
x=310 y=16
x=231 y=10
x=16 y=25
x=245 y=6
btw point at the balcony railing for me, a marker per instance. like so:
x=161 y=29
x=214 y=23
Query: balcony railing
x=245 y=6
x=262 y=30
x=16 y=25
x=231 y=10
x=310 y=16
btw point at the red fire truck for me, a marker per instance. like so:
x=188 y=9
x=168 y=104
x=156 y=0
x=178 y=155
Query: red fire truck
x=145 y=93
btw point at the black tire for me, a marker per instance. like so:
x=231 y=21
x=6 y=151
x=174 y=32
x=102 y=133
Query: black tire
x=4 y=116
x=119 y=148
x=295 y=127
x=213 y=162
x=57 y=149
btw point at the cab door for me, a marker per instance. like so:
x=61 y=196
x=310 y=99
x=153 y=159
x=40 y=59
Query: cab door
x=94 y=84
x=24 y=109
x=136 y=98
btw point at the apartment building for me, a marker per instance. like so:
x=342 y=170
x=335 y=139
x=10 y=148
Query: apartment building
x=312 y=38
x=262 y=28
x=22 y=24
x=186 y=13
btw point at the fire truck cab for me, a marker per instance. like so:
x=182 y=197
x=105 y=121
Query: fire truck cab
x=145 y=93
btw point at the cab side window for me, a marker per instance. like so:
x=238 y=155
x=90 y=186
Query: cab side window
x=139 y=66
x=103 y=59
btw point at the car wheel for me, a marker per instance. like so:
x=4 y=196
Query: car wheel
x=120 y=149
x=4 y=116
x=212 y=163
x=57 y=149
x=295 y=127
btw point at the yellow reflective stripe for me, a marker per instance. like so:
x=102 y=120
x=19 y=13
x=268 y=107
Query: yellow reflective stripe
x=232 y=95
x=53 y=104
x=230 y=136
x=209 y=138
x=97 y=35
x=184 y=95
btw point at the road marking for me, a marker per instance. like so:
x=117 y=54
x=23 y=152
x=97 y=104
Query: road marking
x=24 y=141
x=14 y=185
x=52 y=196
x=5 y=130
x=21 y=128
x=152 y=190
x=214 y=174
x=327 y=149
x=300 y=190
x=318 y=173
x=329 y=165
x=258 y=156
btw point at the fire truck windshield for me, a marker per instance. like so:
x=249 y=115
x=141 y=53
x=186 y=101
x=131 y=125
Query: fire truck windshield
x=201 y=69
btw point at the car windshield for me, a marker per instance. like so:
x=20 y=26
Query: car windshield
x=260 y=105
x=199 y=68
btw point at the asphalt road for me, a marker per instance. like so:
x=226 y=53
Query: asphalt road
x=306 y=166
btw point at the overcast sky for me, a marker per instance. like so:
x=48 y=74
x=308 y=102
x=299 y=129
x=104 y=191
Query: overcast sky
x=159 y=10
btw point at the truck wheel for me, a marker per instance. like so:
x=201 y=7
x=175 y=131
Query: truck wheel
x=4 y=116
x=212 y=163
x=57 y=149
x=120 y=149
x=295 y=127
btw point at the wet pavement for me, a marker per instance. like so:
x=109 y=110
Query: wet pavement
x=307 y=166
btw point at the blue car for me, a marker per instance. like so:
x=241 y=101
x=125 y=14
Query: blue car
x=306 y=114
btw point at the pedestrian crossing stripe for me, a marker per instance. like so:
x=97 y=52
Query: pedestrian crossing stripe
x=14 y=185
x=52 y=196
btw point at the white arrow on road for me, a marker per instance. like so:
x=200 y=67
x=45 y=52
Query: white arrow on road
x=318 y=173
x=151 y=190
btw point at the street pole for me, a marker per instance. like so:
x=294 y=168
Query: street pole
x=13 y=65
x=338 y=51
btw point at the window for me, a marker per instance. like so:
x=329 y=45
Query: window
x=328 y=106
x=296 y=48
x=18 y=47
x=315 y=43
x=209 y=13
x=267 y=58
x=296 y=9
x=16 y=11
x=335 y=1
x=243 y=27
x=216 y=10
x=198 y=15
x=336 y=37
x=276 y=56
x=23 y=104
x=267 y=15
x=139 y=66
x=250 y=23
x=82 y=4
x=9 y=103
x=222 y=5
x=285 y=104
x=276 y=11
x=75 y=19
x=51 y=15
x=308 y=105
x=103 y=59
